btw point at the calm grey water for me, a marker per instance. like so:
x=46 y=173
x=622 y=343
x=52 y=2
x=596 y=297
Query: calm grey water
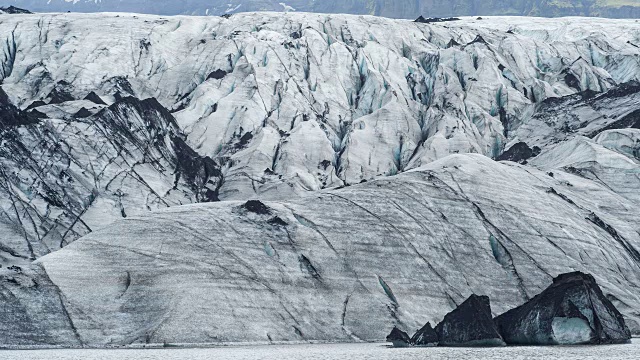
x=338 y=351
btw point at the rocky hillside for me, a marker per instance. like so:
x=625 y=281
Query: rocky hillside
x=409 y=9
x=314 y=115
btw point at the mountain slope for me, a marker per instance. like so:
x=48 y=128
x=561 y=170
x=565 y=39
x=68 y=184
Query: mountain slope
x=409 y=9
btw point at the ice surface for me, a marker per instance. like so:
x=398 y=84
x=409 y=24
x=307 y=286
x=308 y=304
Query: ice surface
x=571 y=330
x=200 y=273
x=625 y=141
x=65 y=176
x=325 y=100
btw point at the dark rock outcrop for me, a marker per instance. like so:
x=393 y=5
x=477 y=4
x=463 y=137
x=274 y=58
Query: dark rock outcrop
x=61 y=93
x=10 y=115
x=520 y=153
x=426 y=336
x=257 y=207
x=95 y=98
x=13 y=10
x=82 y=113
x=424 y=20
x=399 y=338
x=470 y=324
x=573 y=310
x=217 y=75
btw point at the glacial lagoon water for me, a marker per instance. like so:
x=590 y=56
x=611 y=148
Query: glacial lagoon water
x=336 y=351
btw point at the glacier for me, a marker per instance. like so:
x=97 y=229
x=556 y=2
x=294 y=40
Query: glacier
x=313 y=268
x=367 y=147
x=380 y=96
x=64 y=176
x=572 y=311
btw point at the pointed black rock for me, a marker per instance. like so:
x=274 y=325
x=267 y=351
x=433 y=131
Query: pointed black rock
x=573 y=310
x=425 y=337
x=83 y=113
x=61 y=93
x=94 y=98
x=10 y=115
x=36 y=104
x=470 y=324
x=399 y=338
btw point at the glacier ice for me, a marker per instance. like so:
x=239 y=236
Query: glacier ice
x=398 y=337
x=424 y=232
x=572 y=311
x=469 y=324
x=63 y=177
x=571 y=331
x=426 y=336
x=378 y=96
x=308 y=117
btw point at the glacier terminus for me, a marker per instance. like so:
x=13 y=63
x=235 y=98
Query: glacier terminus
x=269 y=177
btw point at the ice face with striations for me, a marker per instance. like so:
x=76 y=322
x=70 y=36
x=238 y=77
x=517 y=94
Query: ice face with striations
x=64 y=176
x=343 y=264
x=165 y=111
